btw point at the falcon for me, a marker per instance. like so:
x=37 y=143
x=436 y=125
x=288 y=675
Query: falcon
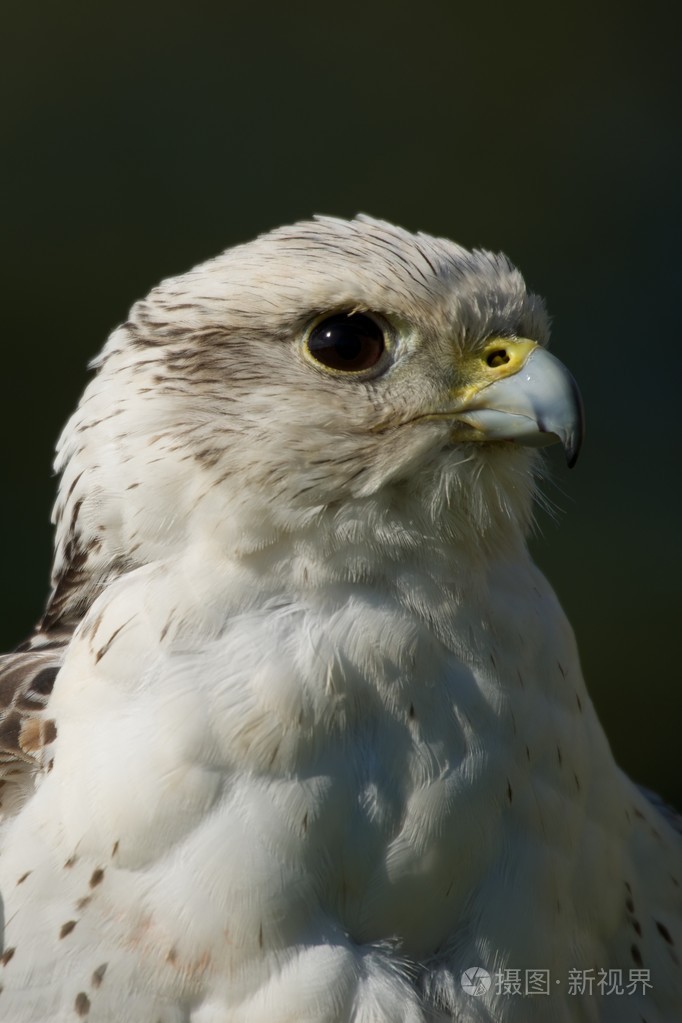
x=302 y=734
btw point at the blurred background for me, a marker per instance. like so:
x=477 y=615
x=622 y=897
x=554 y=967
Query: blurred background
x=141 y=138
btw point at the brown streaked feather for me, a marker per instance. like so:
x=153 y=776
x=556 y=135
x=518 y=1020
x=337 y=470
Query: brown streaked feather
x=26 y=680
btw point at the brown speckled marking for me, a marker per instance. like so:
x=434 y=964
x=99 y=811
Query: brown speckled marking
x=637 y=927
x=629 y=904
x=260 y=935
x=664 y=932
x=172 y=955
x=559 y=756
x=82 y=903
x=71 y=860
x=82 y=1004
x=91 y=629
x=97 y=876
x=510 y=794
x=44 y=680
x=23 y=877
x=98 y=975
x=7 y=955
x=636 y=954
x=30 y=735
x=115 y=849
x=104 y=649
x=67 y=928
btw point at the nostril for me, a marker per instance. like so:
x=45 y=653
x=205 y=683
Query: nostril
x=497 y=358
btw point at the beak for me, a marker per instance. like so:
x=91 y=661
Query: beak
x=523 y=394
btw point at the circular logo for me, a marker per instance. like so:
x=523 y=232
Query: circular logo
x=476 y=981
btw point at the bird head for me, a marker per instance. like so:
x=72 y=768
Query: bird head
x=328 y=369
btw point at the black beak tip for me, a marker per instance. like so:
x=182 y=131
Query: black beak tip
x=571 y=451
x=574 y=440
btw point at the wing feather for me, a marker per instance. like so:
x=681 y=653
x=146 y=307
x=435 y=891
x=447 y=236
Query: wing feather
x=26 y=680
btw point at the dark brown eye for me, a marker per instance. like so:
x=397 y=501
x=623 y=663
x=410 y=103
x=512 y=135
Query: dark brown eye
x=349 y=343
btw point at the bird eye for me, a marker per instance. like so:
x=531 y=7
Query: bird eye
x=347 y=342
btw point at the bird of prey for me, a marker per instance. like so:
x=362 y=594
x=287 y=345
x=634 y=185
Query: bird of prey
x=302 y=735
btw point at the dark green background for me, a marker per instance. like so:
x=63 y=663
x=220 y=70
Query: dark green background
x=139 y=139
